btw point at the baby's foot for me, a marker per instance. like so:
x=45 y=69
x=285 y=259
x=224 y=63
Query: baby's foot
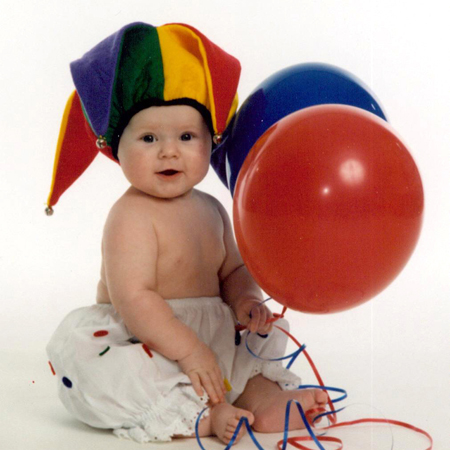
x=225 y=419
x=270 y=413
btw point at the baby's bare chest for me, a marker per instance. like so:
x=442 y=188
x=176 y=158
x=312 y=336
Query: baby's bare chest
x=191 y=244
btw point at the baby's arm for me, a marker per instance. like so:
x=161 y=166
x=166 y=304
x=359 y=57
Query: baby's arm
x=238 y=288
x=130 y=251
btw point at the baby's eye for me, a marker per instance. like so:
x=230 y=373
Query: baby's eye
x=149 y=138
x=186 y=137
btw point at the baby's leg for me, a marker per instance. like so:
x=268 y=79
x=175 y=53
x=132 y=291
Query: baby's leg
x=267 y=402
x=222 y=422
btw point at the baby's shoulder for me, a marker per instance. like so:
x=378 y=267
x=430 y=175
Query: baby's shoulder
x=211 y=201
x=219 y=212
x=129 y=211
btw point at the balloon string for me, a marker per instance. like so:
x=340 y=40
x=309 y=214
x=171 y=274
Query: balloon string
x=332 y=417
x=332 y=412
x=306 y=416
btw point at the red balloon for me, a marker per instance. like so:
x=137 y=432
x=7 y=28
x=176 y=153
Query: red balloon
x=328 y=208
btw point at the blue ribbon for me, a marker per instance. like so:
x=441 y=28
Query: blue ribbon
x=244 y=420
x=303 y=415
x=293 y=355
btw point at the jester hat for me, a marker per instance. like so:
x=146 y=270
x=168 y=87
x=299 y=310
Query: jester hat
x=137 y=67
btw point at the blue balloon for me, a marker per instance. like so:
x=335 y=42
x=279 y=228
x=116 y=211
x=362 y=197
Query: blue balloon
x=289 y=90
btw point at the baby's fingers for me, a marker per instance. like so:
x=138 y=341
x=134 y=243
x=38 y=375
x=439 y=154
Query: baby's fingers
x=196 y=383
x=218 y=383
x=221 y=381
x=212 y=387
x=260 y=315
x=268 y=325
x=255 y=317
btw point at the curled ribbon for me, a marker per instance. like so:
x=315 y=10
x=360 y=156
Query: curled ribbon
x=307 y=416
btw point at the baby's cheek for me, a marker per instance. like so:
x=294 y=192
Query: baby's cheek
x=136 y=169
x=199 y=168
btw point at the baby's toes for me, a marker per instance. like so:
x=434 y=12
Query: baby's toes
x=242 y=413
x=226 y=438
x=229 y=435
x=231 y=430
x=233 y=423
x=321 y=397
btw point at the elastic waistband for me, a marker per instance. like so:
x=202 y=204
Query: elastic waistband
x=178 y=302
x=196 y=301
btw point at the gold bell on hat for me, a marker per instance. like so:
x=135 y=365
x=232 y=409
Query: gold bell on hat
x=101 y=142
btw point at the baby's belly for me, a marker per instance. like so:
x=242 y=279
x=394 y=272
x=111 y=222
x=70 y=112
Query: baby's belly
x=177 y=287
x=188 y=283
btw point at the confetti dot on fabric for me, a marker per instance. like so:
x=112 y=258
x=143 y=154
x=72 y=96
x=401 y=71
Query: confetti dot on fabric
x=147 y=350
x=104 y=351
x=67 y=382
x=51 y=367
x=227 y=385
x=101 y=333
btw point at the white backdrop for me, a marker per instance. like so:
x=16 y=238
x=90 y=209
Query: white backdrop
x=391 y=353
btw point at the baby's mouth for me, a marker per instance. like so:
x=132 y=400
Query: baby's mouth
x=168 y=172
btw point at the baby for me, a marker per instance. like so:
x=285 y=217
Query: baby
x=160 y=344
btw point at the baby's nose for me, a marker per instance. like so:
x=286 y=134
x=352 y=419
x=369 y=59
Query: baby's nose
x=169 y=150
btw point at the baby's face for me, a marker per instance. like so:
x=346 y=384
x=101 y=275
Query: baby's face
x=165 y=150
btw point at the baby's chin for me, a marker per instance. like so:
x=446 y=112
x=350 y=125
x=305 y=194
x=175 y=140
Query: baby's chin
x=168 y=195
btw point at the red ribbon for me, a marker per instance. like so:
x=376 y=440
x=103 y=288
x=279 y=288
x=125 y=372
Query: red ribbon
x=294 y=441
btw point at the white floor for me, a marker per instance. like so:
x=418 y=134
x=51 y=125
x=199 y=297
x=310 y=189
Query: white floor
x=409 y=387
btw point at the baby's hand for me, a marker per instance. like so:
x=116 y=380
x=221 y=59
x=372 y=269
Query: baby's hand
x=254 y=314
x=202 y=369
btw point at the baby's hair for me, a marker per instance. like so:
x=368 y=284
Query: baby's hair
x=127 y=116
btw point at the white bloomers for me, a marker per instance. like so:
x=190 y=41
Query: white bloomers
x=108 y=379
